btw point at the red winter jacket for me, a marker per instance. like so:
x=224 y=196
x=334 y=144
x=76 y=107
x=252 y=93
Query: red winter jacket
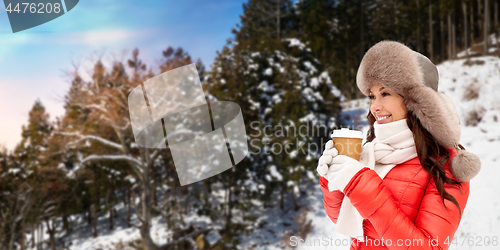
x=404 y=210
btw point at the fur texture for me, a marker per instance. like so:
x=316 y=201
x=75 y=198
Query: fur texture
x=465 y=165
x=433 y=111
x=416 y=79
x=391 y=64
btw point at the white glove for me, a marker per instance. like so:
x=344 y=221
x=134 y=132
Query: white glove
x=341 y=171
x=326 y=159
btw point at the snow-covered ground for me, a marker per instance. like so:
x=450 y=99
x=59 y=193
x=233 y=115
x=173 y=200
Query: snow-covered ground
x=475 y=90
x=482 y=215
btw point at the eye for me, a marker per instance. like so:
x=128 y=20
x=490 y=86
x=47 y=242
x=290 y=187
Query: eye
x=371 y=97
x=385 y=94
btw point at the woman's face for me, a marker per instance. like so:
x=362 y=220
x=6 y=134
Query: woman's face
x=386 y=106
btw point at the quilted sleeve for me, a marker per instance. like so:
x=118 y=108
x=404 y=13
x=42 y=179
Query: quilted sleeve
x=434 y=225
x=331 y=200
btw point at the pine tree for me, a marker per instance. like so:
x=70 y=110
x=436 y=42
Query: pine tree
x=318 y=22
x=265 y=20
x=280 y=87
x=36 y=182
x=9 y=179
x=34 y=138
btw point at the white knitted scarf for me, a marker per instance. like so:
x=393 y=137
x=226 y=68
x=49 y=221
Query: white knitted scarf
x=393 y=144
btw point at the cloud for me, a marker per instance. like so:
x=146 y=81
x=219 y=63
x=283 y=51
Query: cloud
x=90 y=38
x=9 y=39
x=95 y=37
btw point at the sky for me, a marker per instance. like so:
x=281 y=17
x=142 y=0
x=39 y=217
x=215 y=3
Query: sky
x=37 y=63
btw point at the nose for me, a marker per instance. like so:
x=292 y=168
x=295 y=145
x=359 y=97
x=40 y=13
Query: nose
x=375 y=106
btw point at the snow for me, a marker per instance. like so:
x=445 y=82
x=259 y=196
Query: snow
x=130 y=179
x=255 y=105
x=276 y=98
x=212 y=237
x=62 y=167
x=310 y=67
x=274 y=173
x=268 y=72
x=264 y=86
x=308 y=158
x=253 y=66
x=310 y=175
x=14 y=170
x=336 y=92
x=92 y=137
x=482 y=214
x=294 y=42
x=309 y=117
x=255 y=54
x=491 y=49
x=324 y=75
x=460 y=82
x=252 y=186
x=314 y=82
x=310 y=95
x=82 y=238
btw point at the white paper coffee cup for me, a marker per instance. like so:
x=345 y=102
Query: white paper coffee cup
x=348 y=142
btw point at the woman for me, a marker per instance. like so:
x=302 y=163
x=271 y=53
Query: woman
x=411 y=185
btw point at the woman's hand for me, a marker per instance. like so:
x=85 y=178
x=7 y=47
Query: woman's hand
x=341 y=171
x=326 y=159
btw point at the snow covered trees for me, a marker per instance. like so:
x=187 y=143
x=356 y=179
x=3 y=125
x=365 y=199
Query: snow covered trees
x=95 y=145
x=31 y=189
x=288 y=101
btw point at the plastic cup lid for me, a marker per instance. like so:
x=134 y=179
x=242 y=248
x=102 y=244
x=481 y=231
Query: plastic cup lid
x=347 y=133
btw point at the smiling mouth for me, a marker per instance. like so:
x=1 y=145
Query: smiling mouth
x=380 y=118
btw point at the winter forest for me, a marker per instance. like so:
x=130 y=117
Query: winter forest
x=288 y=64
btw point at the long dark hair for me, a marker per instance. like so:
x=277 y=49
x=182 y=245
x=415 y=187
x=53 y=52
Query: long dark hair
x=432 y=156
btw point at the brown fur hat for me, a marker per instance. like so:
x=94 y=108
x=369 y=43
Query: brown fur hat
x=416 y=79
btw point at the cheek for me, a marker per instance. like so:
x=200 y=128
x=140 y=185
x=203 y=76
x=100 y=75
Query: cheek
x=372 y=110
x=402 y=111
